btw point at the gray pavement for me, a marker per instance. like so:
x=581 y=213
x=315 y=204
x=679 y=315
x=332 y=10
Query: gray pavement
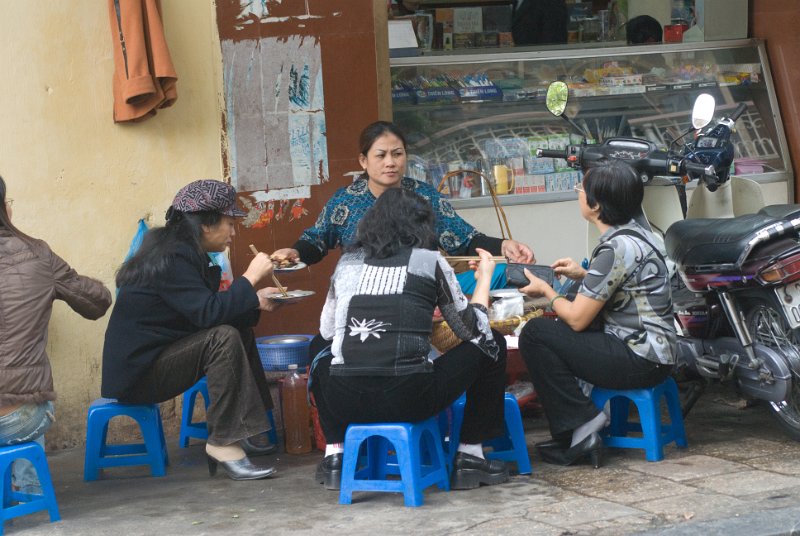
x=740 y=475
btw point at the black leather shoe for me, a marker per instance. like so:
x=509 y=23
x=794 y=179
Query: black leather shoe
x=240 y=469
x=559 y=444
x=253 y=448
x=329 y=471
x=591 y=447
x=469 y=472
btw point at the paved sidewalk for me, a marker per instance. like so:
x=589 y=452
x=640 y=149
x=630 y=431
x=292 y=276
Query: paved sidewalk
x=740 y=475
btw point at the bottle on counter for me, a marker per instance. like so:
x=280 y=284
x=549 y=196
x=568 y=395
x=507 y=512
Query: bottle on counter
x=296 y=420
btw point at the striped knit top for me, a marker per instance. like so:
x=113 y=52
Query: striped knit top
x=379 y=313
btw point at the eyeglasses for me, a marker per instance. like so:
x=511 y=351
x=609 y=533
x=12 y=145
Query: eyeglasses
x=578 y=188
x=9 y=202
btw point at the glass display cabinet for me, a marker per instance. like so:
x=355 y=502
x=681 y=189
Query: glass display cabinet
x=486 y=111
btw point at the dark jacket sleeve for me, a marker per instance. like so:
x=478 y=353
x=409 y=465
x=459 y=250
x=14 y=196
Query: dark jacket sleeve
x=489 y=243
x=186 y=290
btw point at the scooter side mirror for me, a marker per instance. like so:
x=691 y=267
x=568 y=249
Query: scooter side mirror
x=703 y=111
x=557 y=95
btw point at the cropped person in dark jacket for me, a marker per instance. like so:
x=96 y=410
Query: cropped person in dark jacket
x=171 y=326
x=378 y=317
x=31 y=278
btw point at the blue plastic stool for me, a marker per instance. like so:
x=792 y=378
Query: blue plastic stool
x=420 y=460
x=99 y=455
x=509 y=447
x=654 y=434
x=199 y=430
x=27 y=503
x=189 y=429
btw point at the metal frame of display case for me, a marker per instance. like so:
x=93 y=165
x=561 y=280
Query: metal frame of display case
x=537 y=54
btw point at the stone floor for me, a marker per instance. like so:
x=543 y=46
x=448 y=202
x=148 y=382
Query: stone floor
x=740 y=475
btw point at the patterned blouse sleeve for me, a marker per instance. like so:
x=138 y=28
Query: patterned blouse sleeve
x=323 y=236
x=470 y=322
x=604 y=274
x=454 y=233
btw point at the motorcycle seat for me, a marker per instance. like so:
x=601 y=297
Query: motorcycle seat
x=703 y=241
x=781 y=212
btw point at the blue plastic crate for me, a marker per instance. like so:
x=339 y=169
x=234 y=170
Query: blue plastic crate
x=277 y=352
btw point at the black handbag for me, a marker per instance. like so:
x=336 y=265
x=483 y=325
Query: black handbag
x=515 y=275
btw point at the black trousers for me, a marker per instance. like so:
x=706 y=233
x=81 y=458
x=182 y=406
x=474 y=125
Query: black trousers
x=556 y=356
x=342 y=400
x=237 y=387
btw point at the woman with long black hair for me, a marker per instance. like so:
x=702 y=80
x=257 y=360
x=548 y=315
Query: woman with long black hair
x=378 y=317
x=171 y=326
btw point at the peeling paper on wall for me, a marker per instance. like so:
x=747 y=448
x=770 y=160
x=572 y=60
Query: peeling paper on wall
x=275 y=114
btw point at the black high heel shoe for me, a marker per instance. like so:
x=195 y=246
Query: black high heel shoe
x=591 y=447
x=251 y=448
x=240 y=469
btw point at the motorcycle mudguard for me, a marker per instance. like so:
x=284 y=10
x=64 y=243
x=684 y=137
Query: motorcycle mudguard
x=703 y=356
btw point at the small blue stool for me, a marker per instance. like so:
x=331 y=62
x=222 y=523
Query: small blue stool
x=509 y=447
x=654 y=434
x=99 y=455
x=199 y=430
x=420 y=460
x=27 y=503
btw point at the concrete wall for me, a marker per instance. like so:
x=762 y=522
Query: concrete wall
x=79 y=181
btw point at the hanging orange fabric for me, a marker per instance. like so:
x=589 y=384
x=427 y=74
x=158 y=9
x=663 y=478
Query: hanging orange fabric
x=144 y=77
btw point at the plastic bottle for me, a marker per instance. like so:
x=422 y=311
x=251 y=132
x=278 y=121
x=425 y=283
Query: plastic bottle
x=297 y=432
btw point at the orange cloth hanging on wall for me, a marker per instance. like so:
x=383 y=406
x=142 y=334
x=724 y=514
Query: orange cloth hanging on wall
x=144 y=77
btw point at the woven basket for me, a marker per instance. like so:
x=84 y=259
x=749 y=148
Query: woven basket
x=443 y=338
x=460 y=264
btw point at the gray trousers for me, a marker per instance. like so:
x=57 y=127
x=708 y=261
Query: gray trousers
x=237 y=387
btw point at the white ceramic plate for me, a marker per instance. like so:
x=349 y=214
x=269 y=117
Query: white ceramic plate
x=293 y=296
x=293 y=268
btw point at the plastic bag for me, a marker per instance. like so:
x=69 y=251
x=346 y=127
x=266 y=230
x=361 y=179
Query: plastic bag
x=221 y=260
x=136 y=242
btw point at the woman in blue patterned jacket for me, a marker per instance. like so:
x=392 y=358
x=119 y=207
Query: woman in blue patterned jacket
x=383 y=158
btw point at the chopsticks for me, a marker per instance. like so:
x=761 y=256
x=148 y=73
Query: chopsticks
x=274 y=278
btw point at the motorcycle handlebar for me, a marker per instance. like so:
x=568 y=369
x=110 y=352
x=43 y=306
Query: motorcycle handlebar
x=551 y=153
x=737 y=113
x=700 y=169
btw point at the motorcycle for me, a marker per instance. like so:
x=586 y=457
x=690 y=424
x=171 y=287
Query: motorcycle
x=738 y=311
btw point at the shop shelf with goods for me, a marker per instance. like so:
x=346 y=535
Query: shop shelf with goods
x=484 y=110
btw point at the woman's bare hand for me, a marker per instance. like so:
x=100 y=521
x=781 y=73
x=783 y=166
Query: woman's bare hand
x=259 y=269
x=568 y=268
x=517 y=252
x=485 y=266
x=266 y=304
x=536 y=286
x=290 y=254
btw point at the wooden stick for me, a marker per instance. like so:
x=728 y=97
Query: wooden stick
x=473 y=258
x=274 y=278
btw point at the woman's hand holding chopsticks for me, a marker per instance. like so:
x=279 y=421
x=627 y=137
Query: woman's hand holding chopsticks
x=270 y=272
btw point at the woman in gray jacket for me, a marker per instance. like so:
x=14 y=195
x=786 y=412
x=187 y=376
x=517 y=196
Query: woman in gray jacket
x=31 y=278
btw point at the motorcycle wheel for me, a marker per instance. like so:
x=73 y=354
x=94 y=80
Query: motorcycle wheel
x=767 y=326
